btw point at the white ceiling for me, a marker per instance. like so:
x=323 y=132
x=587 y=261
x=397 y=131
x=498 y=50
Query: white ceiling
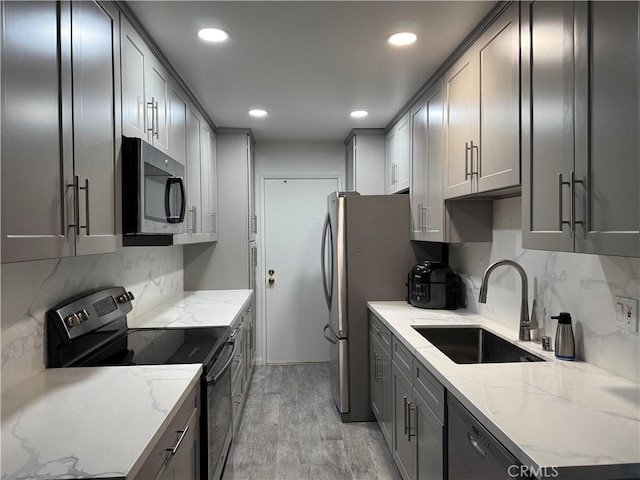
x=307 y=63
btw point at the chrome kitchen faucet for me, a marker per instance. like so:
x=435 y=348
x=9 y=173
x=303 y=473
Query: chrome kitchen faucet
x=525 y=324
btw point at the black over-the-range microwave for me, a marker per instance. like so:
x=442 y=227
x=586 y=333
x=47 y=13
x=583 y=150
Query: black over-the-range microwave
x=153 y=192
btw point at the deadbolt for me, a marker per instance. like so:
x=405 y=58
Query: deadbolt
x=271 y=272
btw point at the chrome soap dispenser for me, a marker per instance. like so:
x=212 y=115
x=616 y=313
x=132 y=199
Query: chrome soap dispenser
x=565 y=343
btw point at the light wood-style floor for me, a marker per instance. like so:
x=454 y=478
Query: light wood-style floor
x=290 y=430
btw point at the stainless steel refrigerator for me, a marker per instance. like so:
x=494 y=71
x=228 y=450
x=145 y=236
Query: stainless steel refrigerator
x=366 y=255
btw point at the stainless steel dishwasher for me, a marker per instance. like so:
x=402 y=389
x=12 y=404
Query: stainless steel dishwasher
x=473 y=452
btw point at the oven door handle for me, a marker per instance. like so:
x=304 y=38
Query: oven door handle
x=215 y=378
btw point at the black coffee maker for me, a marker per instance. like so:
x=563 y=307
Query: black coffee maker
x=432 y=284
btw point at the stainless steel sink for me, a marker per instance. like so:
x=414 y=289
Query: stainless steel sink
x=475 y=345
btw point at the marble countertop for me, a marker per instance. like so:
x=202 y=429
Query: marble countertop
x=89 y=422
x=203 y=308
x=573 y=416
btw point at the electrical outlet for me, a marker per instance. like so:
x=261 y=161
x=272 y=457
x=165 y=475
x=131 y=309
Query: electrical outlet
x=627 y=313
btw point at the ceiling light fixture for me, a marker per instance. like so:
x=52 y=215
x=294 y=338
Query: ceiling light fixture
x=402 y=39
x=213 y=35
x=258 y=113
x=359 y=113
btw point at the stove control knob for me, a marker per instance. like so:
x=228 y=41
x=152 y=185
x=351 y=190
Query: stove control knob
x=76 y=319
x=122 y=298
x=69 y=321
x=130 y=296
x=83 y=315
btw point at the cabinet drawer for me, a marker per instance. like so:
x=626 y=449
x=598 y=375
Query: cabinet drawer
x=402 y=358
x=161 y=451
x=381 y=332
x=239 y=356
x=430 y=389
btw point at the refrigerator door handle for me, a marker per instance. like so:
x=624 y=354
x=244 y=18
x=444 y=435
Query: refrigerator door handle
x=329 y=339
x=325 y=230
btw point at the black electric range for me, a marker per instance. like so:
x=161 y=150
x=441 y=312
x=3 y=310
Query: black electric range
x=91 y=331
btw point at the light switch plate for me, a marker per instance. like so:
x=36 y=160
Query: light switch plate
x=627 y=313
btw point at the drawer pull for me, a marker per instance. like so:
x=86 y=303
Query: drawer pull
x=175 y=448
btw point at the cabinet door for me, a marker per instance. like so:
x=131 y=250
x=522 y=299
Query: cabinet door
x=418 y=188
x=253 y=219
x=158 y=99
x=607 y=156
x=403 y=162
x=178 y=111
x=184 y=464
x=351 y=165
x=387 y=413
x=430 y=440
x=497 y=160
x=94 y=29
x=404 y=452
x=461 y=100
x=434 y=126
x=375 y=376
x=205 y=181
x=134 y=102
x=194 y=195
x=547 y=124
x=37 y=162
x=391 y=160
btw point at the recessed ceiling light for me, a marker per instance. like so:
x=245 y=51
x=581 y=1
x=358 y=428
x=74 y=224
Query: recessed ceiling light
x=213 y=35
x=359 y=113
x=402 y=38
x=258 y=113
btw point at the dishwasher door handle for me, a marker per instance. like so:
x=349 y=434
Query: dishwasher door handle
x=476 y=446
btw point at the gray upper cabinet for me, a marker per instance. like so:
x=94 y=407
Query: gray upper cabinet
x=145 y=92
x=482 y=96
x=427 y=203
x=365 y=156
x=581 y=156
x=96 y=123
x=607 y=146
x=58 y=168
x=209 y=183
x=398 y=156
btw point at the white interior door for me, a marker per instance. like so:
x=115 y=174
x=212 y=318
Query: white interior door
x=296 y=311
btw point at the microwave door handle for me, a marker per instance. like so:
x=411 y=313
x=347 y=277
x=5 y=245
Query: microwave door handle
x=167 y=197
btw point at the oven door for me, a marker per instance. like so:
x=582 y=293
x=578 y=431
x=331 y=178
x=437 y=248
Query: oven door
x=216 y=423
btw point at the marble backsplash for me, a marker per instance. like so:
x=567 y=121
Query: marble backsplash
x=29 y=289
x=584 y=285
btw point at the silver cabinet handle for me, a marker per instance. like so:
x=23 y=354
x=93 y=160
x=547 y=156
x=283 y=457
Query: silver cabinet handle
x=86 y=205
x=183 y=433
x=426 y=221
x=254 y=255
x=152 y=105
x=573 y=200
x=420 y=216
x=466 y=160
x=76 y=211
x=561 y=222
x=193 y=222
x=406 y=414
x=377 y=330
x=472 y=147
x=157 y=134
x=254 y=224
x=410 y=407
x=213 y=222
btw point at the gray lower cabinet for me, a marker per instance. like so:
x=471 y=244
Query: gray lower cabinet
x=249 y=341
x=242 y=367
x=60 y=127
x=580 y=121
x=176 y=455
x=415 y=402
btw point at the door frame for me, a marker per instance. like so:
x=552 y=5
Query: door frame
x=259 y=287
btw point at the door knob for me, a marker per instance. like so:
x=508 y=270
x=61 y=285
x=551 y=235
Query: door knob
x=271 y=280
